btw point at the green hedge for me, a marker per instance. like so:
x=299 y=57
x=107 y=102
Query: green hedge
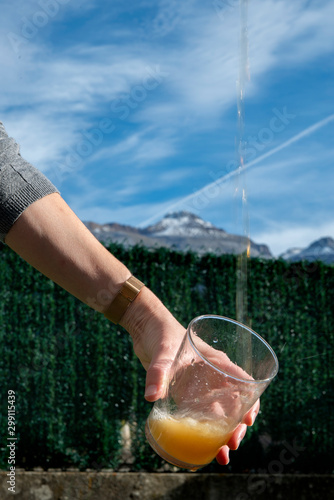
x=77 y=379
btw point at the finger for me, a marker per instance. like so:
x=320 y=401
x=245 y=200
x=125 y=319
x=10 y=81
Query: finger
x=156 y=379
x=237 y=437
x=223 y=457
x=251 y=415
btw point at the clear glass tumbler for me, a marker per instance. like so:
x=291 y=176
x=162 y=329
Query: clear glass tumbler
x=221 y=369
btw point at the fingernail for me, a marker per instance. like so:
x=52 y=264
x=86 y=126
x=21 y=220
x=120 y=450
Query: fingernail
x=150 y=391
x=242 y=435
x=253 y=417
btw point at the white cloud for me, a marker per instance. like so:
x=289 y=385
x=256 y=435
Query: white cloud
x=41 y=139
x=133 y=214
x=202 y=68
x=295 y=236
x=138 y=149
x=50 y=93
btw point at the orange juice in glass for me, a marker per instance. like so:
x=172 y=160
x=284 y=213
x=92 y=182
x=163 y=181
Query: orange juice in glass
x=220 y=370
x=187 y=440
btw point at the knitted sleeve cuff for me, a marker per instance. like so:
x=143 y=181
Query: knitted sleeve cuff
x=21 y=184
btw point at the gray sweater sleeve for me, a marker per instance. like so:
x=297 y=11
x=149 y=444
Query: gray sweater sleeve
x=20 y=183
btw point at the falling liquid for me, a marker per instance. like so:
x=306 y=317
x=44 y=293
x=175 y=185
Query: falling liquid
x=242 y=217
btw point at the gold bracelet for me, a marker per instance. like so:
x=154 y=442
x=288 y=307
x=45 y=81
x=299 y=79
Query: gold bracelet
x=123 y=299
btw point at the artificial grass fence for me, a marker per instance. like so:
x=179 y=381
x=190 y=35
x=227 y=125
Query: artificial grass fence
x=77 y=380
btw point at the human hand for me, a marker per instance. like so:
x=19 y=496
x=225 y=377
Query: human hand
x=157 y=336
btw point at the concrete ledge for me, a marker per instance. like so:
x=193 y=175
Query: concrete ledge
x=169 y=486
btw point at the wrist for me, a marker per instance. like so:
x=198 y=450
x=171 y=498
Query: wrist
x=123 y=299
x=144 y=308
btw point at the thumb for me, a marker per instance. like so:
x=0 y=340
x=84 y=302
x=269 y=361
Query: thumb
x=157 y=378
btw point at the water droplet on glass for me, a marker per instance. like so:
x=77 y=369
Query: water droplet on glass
x=215 y=340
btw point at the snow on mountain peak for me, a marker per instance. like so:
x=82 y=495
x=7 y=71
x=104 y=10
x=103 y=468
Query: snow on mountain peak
x=291 y=252
x=322 y=249
x=181 y=224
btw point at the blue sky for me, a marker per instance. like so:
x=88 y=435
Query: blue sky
x=130 y=108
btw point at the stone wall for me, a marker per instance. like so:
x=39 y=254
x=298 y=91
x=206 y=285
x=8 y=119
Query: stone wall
x=168 y=486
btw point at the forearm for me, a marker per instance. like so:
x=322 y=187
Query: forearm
x=50 y=237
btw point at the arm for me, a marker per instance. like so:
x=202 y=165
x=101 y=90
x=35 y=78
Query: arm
x=50 y=237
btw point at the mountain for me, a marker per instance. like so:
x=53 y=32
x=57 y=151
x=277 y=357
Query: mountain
x=291 y=253
x=322 y=250
x=184 y=224
x=181 y=231
x=185 y=231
